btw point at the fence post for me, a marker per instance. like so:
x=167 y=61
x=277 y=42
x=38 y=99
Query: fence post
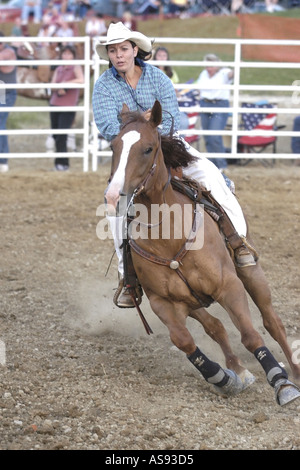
x=236 y=94
x=86 y=114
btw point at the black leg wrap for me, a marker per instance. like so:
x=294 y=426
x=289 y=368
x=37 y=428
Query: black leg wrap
x=270 y=365
x=211 y=371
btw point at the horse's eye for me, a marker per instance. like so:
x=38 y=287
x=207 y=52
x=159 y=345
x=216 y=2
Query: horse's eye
x=148 y=150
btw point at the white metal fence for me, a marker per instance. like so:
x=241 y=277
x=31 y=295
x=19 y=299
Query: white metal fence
x=90 y=136
x=85 y=108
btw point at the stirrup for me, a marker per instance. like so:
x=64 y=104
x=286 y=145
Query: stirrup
x=123 y=297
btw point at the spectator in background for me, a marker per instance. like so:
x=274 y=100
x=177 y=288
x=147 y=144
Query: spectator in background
x=129 y=6
x=16 y=31
x=129 y=21
x=178 y=6
x=64 y=31
x=95 y=25
x=8 y=74
x=118 y=7
x=296 y=140
x=52 y=16
x=60 y=5
x=214 y=98
x=46 y=31
x=64 y=97
x=82 y=7
x=272 y=6
x=31 y=6
x=149 y=7
x=162 y=53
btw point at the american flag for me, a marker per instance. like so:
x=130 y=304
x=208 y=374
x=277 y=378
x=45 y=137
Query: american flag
x=252 y=120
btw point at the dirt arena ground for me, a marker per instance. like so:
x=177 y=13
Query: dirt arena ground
x=81 y=374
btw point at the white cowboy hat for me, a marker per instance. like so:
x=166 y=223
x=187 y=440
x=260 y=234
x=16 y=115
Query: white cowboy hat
x=117 y=33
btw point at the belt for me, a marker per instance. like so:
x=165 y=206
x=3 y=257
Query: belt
x=211 y=101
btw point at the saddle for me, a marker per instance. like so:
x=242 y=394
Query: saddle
x=198 y=193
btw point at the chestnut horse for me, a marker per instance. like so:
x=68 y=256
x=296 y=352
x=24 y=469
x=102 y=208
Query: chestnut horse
x=179 y=278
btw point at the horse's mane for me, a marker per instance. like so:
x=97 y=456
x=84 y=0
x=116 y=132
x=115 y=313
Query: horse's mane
x=173 y=148
x=175 y=152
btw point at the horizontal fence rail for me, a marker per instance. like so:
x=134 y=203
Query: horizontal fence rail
x=90 y=153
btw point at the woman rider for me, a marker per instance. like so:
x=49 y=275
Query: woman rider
x=129 y=79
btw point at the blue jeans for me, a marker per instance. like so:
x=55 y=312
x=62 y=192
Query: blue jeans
x=61 y=120
x=296 y=140
x=10 y=99
x=37 y=12
x=214 y=122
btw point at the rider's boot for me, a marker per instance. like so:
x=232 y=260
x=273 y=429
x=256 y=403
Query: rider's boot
x=243 y=257
x=243 y=253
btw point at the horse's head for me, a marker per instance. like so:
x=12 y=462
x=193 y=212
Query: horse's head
x=135 y=153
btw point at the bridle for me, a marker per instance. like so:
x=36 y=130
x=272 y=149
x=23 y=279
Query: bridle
x=141 y=187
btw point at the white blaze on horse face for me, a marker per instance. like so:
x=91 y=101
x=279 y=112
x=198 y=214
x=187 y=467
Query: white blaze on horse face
x=116 y=185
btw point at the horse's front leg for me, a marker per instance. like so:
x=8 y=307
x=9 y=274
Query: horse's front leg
x=215 y=329
x=174 y=315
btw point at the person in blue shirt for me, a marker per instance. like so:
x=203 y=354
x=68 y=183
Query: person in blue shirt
x=130 y=80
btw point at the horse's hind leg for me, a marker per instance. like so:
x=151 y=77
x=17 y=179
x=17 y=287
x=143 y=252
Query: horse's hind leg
x=234 y=300
x=257 y=286
x=215 y=329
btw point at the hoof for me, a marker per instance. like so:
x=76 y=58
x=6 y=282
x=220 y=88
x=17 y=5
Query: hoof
x=247 y=378
x=233 y=386
x=285 y=392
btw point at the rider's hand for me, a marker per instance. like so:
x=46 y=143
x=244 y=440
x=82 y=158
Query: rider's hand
x=147 y=114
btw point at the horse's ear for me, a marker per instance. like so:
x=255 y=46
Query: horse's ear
x=125 y=110
x=156 y=114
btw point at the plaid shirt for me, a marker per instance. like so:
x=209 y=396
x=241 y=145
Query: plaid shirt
x=111 y=91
